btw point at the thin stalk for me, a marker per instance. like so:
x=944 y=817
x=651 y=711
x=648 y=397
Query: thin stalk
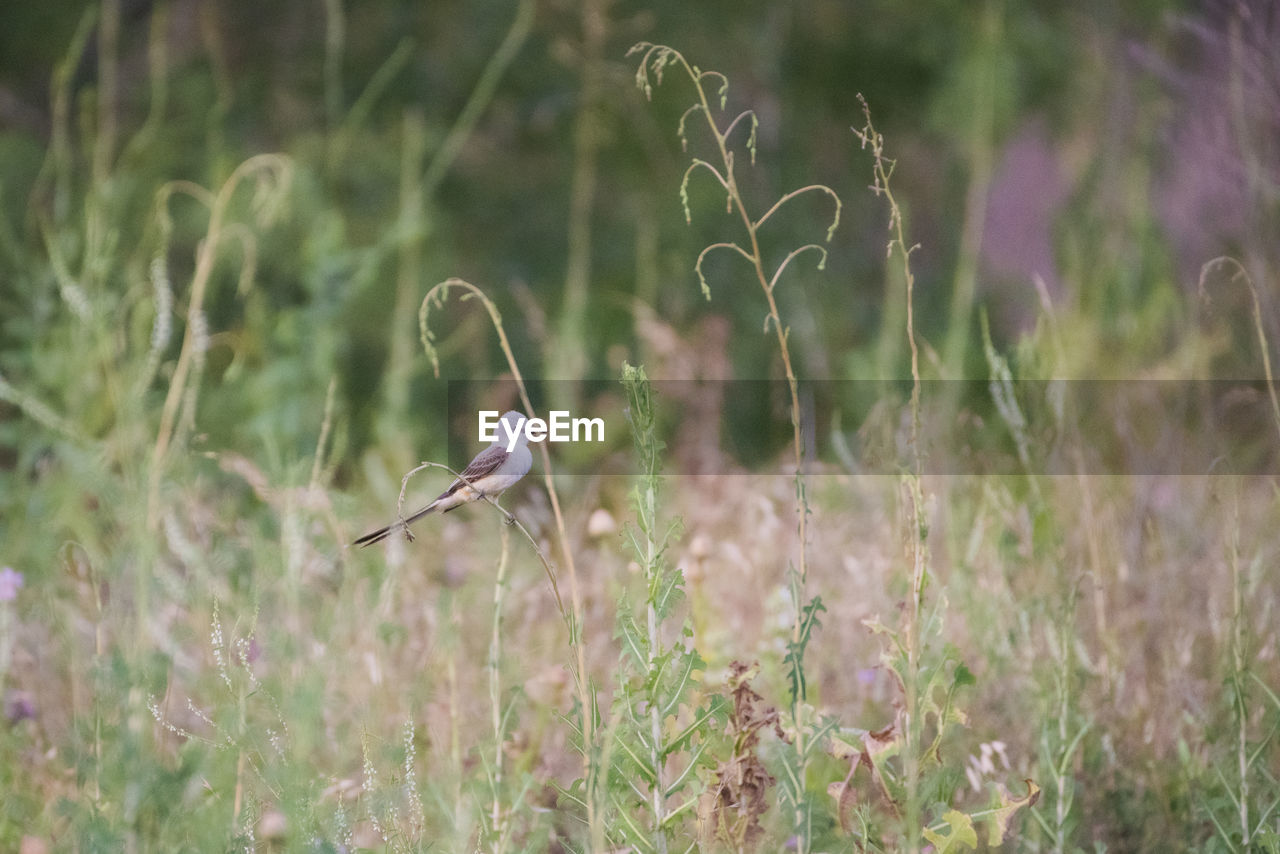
x=413 y=225
x=335 y=37
x=497 y=814
x=575 y=619
x=419 y=183
x=195 y=335
x=481 y=96
x=509 y=518
x=912 y=731
x=55 y=178
x=104 y=143
x=158 y=71
x=650 y=519
x=766 y=284
x=98 y=222
x=455 y=722
x=1258 y=326
x=799 y=578
x=569 y=356
x=1239 y=670
x=211 y=34
x=655 y=59
x=981 y=157
x=1065 y=663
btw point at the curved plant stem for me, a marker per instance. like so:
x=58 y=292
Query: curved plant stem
x=510 y=519
x=437 y=296
x=273 y=166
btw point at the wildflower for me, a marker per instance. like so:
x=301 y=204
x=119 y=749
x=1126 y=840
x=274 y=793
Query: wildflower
x=10 y=581
x=19 y=706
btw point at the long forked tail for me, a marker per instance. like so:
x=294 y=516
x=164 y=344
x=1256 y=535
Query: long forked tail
x=382 y=533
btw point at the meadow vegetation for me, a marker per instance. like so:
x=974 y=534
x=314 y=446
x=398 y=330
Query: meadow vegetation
x=973 y=603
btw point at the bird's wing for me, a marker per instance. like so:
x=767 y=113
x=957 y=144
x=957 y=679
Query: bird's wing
x=486 y=463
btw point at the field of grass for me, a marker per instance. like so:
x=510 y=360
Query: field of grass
x=885 y=550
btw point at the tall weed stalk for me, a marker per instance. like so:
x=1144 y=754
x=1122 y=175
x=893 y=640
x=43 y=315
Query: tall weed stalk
x=654 y=62
x=909 y=641
x=587 y=707
x=1241 y=803
x=270 y=176
x=907 y=757
x=660 y=736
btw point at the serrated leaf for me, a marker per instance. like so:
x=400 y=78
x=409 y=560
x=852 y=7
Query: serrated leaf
x=716 y=710
x=654 y=675
x=634 y=642
x=682 y=681
x=631 y=831
x=669 y=595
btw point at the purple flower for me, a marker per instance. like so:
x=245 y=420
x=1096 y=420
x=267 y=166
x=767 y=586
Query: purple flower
x=18 y=706
x=10 y=581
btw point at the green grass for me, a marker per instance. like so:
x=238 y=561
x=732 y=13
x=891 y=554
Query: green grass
x=209 y=396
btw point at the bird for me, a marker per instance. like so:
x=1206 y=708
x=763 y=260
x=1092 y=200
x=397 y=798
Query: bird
x=493 y=470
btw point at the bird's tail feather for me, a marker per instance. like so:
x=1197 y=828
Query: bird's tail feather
x=382 y=533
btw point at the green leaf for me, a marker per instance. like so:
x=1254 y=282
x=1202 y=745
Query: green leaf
x=669 y=595
x=795 y=649
x=634 y=641
x=678 y=689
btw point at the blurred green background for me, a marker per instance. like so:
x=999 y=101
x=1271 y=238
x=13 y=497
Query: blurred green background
x=1069 y=171
x=1109 y=151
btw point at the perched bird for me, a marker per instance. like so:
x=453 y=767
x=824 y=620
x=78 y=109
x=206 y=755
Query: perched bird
x=492 y=471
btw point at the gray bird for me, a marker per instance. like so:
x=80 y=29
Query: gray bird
x=492 y=471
